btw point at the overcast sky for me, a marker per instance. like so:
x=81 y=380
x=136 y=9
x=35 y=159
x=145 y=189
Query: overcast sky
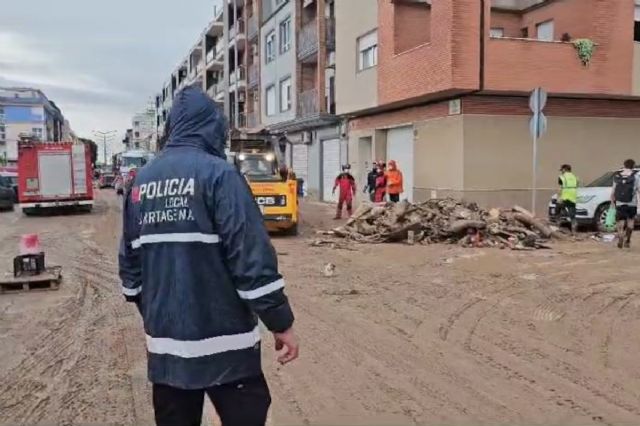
x=99 y=60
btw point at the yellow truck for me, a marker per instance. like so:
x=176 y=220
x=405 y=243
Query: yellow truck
x=259 y=159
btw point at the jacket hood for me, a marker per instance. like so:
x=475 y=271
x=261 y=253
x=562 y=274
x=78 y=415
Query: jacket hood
x=195 y=120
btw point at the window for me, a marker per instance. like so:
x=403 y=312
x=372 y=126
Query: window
x=368 y=51
x=524 y=32
x=636 y=28
x=285 y=35
x=285 y=94
x=270 y=47
x=496 y=32
x=545 y=31
x=137 y=134
x=271 y=100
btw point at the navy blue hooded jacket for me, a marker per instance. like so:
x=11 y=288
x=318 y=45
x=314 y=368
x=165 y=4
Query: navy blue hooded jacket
x=196 y=257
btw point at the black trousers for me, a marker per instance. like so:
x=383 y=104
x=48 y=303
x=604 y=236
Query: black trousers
x=243 y=403
x=394 y=198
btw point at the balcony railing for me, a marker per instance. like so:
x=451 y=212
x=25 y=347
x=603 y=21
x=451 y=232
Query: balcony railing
x=253 y=75
x=308 y=103
x=308 y=37
x=238 y=75
x=219 y=46
x=308 y=40
x=211 y=55
x=219 y=88
x=236 y=29
x=252 y=27
x=331 y=33
x=217 y=12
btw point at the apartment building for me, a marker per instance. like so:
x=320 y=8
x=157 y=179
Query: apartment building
x=144 y=130
x=203 y=65
x=442 y=87
x=28 y=111
x=291 y=83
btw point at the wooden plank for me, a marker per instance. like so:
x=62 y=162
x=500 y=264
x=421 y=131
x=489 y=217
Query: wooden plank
x=49 y=280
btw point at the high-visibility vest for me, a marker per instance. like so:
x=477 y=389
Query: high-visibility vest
x=569 y=190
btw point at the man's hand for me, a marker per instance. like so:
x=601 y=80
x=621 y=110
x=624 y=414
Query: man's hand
x=286 y=346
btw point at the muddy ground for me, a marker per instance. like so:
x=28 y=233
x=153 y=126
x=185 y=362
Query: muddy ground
x=399 y=335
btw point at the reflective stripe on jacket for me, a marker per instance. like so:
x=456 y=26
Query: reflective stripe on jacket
x=196 y=258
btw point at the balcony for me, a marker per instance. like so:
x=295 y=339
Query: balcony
x=513 y=64
x=217 y=13
x=331 y=33
x=308 y=40
x=220 y=50
x=219 y=92
x=308 y=103
x=237 y=78
x=237 y=30
x=216 y=92
x=252 y=27
x=213 y=60
x=254 y=75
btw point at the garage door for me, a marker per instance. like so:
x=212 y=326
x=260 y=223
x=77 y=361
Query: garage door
x=330 y=168
x=400 y=149
x=300 y=161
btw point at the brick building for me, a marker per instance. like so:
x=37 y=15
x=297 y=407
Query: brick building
x=442 y=88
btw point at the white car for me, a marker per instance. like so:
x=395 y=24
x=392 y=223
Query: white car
x=592 y=204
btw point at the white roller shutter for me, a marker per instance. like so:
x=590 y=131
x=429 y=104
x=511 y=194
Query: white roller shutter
x=300 y=161
x=330 y=168
x=400 y=149
x=55 y=174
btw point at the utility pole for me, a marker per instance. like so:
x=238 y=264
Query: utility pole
x=106 y=137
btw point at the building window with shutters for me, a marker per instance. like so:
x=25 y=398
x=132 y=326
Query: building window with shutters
x=545 y=31
x=285 y=94
x=270 y=47
x=285 y=35
x=368 y=51
x=271 y=100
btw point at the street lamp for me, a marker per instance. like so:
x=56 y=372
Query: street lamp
x=106 y=136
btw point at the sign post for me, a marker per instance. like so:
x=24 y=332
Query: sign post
x=537 y=127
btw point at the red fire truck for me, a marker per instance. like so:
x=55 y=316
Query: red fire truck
x=54 y=175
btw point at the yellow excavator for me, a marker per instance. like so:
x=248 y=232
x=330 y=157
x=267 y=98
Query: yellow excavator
x=260 y=159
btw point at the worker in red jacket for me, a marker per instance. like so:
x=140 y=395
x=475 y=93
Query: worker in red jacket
x=347 y=185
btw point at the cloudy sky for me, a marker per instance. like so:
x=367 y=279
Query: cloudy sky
x=99 y=60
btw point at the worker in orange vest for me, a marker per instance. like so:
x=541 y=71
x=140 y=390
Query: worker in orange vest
x=394 y=182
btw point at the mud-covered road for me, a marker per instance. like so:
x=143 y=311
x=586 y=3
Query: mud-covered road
x=399 y=335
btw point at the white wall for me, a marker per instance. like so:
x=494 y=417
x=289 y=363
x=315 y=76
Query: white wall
x=282 y=67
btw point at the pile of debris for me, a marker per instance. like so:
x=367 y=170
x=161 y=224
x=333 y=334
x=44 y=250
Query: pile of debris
x=447 y=221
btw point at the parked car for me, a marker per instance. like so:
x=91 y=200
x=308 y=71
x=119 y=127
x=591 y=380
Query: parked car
x=106 y=180
x=7 y=194
x=13 y=177
x=592 y=204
